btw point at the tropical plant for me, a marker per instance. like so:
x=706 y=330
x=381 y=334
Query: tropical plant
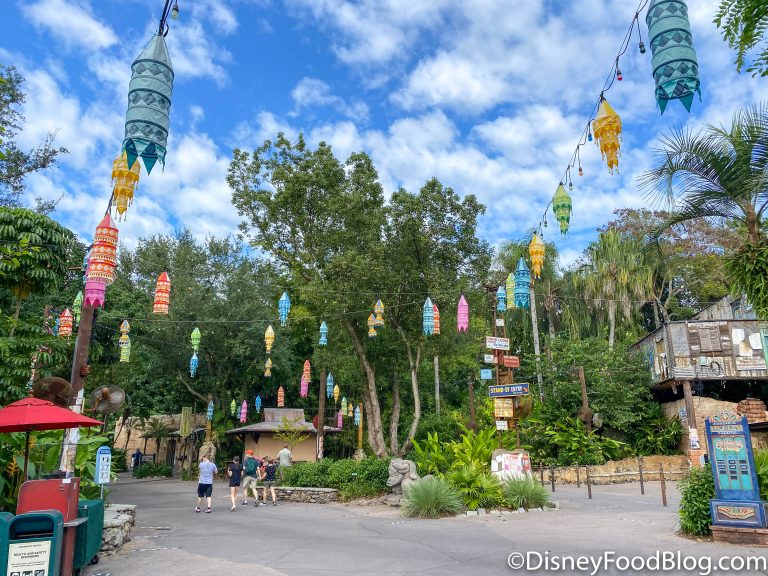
x=477 y=487
x=291 y=432
x=577 y=445
x=744 y=24
x=431 y=498
x=761 y=467
x=656 y=434
x=524 y=493
x=747 y=269
x=154 y=470
x=431 y=458
x=474 y=449
x=696 y=490
x=156 y=429
x=351 y=478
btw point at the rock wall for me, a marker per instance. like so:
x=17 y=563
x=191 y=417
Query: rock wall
x=307 y=495
x=119 y=520
x=620 y=471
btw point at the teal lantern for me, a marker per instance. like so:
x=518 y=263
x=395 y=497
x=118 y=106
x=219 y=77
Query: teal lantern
x=357 y=415
x=257 y=404
x=501 y=299
x=149 y=103
x=329 y=385
x=675 y=68
x=209 y=415
x=193 y=362
x=323 y=334
x=429 y=317
x=522 y=285
x=283 y=307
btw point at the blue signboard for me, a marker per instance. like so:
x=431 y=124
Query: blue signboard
x=503 y=390
x=103 y=465
x=486 y=374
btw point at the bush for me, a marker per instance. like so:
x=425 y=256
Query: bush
x=524 y=494
x=761 y=466
x=477 y=488
x=696 y=490
x=351 y=478
x=431 y=498
x=150 y=470
x=119 y=460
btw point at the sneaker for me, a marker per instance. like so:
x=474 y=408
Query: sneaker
x=233 y=508
x=197 y=508
x=208 y=511
x=244 y=503
x=274 y=503
x=255 y=504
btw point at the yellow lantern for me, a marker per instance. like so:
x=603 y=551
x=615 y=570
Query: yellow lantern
x=269 y=338
x=336 y=393
x=607 y=130
x=124 y=181
x=371 y=326
x=378 y=309
x=268 y=367
x=536 y=249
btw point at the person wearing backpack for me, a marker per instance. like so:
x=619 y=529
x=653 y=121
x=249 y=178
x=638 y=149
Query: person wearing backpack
x=250 y=480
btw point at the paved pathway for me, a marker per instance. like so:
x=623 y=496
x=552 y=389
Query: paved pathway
x=321 y=540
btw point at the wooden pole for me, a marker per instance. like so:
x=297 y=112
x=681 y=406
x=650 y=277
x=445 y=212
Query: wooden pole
x=663 y=485
x=589 y=484
x=437 y=384
x=360 y=431
x=690 y=411
x=552 y=476
x=642 y=482
x=80 y=358
x=536 y=348
x=321 y=413
x=578 y=479
x=208 y=423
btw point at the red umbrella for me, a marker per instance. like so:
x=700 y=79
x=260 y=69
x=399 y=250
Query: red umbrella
x=34 y=414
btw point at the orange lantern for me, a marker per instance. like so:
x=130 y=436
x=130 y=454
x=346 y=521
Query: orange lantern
x=280 y=397
x=162 y=292
x=66 y=321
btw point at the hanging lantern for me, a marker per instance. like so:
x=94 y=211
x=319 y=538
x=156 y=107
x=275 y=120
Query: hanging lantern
x=102 y=260
x=280 y=397
x=304 y=386
x=268 y=368
x=125 y=350
x=675 y=68
x=162 y=294
x=66 y=321
x=269 y=338
x=257 y=404
x=562 y=207
x=195 y=339
x=436 y=319
x=429 y=317
x=323 y=334
x=378 y=310
x=77 y=307
x=501 y=299
x=607 y=129
x=357 y=415
x=509 y=290
x=340 y=420
x=344 y=405
x=462 y=315
x=124 y=181
x=209 y=413
x=336 y=393
x=329 y=385
x=371 y=326
x=537 y=250
x=283 y=307
x=522 y=285
x=186 y=422
x=125 y=328
x=307 y=370
x=350 y=410
x=193 y=365
x=55 y=330
x=149 y=102
x=233 y=407
x=243 y=412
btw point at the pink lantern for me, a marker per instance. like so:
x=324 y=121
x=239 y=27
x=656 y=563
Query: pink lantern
x=243 y=412
x=304 y=389
x=340 y=420
x=462 y=315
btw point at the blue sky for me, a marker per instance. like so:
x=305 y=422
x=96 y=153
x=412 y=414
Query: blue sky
x=488 y=98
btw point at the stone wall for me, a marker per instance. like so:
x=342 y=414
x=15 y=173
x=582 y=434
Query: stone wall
x=307 y=495
x=620 y=471
x=119 y=520
x=740 y=536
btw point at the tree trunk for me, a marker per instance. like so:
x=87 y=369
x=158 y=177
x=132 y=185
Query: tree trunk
x=370 y=397
x=536 y=349
x=753 y=229
x=436 y=361
x=656 y=318
x=611 y=323
x=15 y=317
x=394 y=417
x=551 y=323
x=413 y=364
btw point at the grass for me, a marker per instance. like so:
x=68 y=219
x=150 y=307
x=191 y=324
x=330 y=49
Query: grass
x=524 y=494
x=432 y=498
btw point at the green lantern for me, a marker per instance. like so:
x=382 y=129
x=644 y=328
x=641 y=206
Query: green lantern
x=195 y=338
x=562 y=207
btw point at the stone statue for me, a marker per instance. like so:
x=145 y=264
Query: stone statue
x=402 y=473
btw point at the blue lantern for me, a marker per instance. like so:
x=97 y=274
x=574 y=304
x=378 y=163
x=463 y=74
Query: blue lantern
x=429 y=317
x=501 y=299
x=283 y=307
x=257 y=404
x=323 y=334
x=193 y=365
x=329 y=385
x=209 y=415
x=522 y=285
x=357 y=415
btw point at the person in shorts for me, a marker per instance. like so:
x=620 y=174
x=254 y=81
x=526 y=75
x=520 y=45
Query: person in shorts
x=270 y=470
x=235 y=474
x=250 y=477
x=205 y=482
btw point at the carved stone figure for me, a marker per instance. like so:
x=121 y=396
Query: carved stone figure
x=402 y=473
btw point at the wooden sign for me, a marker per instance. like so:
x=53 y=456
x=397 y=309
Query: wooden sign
x=511 y=361
x=504 y=407
x=490 y=359
x=502 y=425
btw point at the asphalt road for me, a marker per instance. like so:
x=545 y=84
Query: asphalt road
x=322 y=540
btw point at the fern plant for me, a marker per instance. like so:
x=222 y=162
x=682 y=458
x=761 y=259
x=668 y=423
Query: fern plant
x=477 y=488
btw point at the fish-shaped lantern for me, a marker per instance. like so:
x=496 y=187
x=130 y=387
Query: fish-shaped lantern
x=124 y=181
x=102 y=261
x=537 y=249
x=77 y=307
x=323 y=334
x=283 y=308
x=304 y=386
x=269 y=338
x=340 y=419
x=522 y=285
x=428 y=317
x=280 y=397
x=607 y=130
x=209 y=412
x=125 y=328
x=350 y=410
x=268 y=368
x=195 y=339
x=336 y=393
x=436 y=321
x=243 y=412
x=125 y=350
x=357 y=415
x=344 y=405
x=562 y=207
x=233 y=407
x=257 y=404
x=162 y=294
x=509 y=289
x=462 y=315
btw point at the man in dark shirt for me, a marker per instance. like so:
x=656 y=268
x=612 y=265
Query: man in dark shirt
x=270 y=469
x=136 y=460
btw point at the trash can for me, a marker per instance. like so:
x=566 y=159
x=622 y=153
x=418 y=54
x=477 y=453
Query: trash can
x=5 y=519
x=88 y=537
x=34 y=543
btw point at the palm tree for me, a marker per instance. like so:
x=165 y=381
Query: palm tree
x=615 y=276
x=715 y=173
x=157 y=430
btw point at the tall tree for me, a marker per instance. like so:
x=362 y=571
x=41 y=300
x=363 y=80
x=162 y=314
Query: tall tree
x=744 y=24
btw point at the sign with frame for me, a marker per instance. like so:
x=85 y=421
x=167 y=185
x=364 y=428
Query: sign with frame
x=495 y=343
x=509 y=390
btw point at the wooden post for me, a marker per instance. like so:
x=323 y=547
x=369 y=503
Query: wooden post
x=578 y=480
x=640 y=467
x=536 y=349
x=690 y=411
x=541 y=472
x=321 y=413
x=437 y=384
x=589 y=484
x=663 y=485
x=472 y=421
x=584 y=399
x=80 y=358
x=552 y=476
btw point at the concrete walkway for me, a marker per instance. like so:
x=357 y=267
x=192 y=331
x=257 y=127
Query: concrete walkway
x=299 y=539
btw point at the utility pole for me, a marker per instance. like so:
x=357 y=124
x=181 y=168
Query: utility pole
x=536 y=346
x=321 y=413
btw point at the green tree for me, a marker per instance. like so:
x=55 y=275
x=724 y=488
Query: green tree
x=743 y=24
x=155 y=429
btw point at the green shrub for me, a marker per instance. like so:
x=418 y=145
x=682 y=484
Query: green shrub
x=696 y=490
x=430 y=455
x=351 y=478
x=761 y=466
x=474 y=449
x=477 y=488
x=524 y=494
x=150 y=470
x=431 y=498
x=657 y=434
x=119 y=460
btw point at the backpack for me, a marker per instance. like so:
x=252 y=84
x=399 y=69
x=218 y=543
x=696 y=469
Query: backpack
x=250 y=467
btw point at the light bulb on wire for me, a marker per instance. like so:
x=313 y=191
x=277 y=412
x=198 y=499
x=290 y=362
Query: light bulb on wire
x=175 y=11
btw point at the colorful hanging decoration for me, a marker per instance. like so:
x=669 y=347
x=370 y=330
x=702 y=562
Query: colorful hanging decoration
x=607 y=130
x=149 y=103
x=501 y=299
x=193 y=362
x=522 y=285
x=350 y=410
x=329 y=385
x=257 y=404
x=340 y=420
x=462 y=315
x=195 y=339
x=162 y=294
x=344 y=405
x=77 y=307
x=55 y=329
x=562 y=207
x=306 y=377
x=378 y=310
x=436 y=319
x=269 y=338
x=280 y=397
x=675 y=67
x=186 y=422
x=124 y=181
x=537 y=249
x=268 y=368
x=336 y=393
x=428 y=317
x=102 y=260
x=66 y=321
x=209 y=413
x=283 y=308
x=243 y=412
x=125 y=328
x=233 y=407
x=357 y=415
x=371 y=326
x=509 y=289
x=125 y=350
x=323 y=334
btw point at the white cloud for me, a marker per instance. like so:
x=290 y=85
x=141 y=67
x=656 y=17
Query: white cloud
x=314 y=93
x=71 y=22
x=195 y=54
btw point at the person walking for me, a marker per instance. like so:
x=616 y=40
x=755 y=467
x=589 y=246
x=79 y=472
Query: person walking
x=235 y=474
x=270 y=468
x=136 y=461
x=284 y=458
x=250 y=478
x=205 y=482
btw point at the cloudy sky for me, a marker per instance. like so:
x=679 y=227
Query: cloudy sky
x=490 y=96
